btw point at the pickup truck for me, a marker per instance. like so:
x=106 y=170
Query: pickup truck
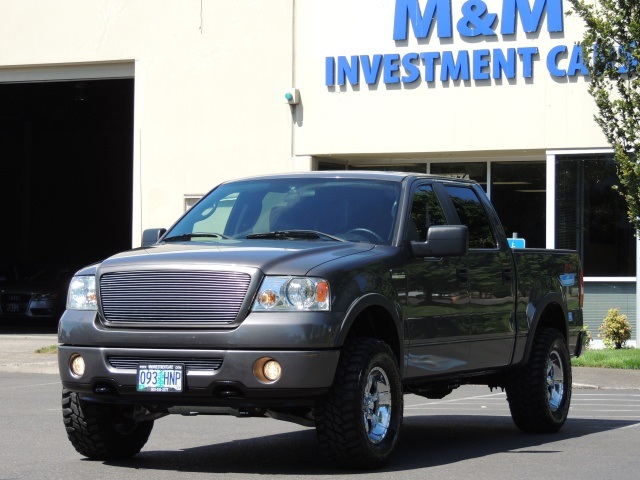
x=319 y=298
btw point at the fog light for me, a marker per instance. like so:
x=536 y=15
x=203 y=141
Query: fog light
x=267 y=370
x=77 y=365
x=272 y=370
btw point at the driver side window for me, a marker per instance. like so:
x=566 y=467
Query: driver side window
x=425 y=212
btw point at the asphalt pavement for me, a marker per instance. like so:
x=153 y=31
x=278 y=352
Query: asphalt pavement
x=18 y=353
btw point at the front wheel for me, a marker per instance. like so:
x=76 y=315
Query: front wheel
x=540 y=393
x=358 y=423
x=101 y=431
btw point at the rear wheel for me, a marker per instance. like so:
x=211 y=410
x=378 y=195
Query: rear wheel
x=540 y=393
x=358 y=424
x=101 y=431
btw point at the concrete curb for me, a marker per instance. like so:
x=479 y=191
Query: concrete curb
x=606 y=378
x=18 y=353
x=48 y=367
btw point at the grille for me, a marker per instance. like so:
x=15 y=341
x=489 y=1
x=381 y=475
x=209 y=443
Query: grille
x=14 y=302
x=173 y=298
x=190 y=364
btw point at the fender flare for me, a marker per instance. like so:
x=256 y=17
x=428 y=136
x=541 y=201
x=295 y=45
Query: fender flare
x=550 y=300
x=361 y=304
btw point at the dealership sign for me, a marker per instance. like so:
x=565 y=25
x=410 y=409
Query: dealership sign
x=477 y=25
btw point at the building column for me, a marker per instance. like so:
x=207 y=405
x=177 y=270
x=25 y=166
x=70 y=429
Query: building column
x=302 y=163
x=551 y=201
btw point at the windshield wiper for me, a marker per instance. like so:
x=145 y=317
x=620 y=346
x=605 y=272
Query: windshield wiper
x=308 y=234
x=189 y=236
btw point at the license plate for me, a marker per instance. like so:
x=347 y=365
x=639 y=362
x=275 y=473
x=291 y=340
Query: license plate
x=162 y=377
x=13 y=307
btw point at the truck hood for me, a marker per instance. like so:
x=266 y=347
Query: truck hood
x=273 y=257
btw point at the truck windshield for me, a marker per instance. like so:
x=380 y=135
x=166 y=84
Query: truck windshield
x=333 y=208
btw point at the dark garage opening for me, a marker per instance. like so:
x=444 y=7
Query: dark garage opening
x=66 y=167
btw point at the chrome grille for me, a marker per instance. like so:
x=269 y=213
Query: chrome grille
x=173 y=298
x=191 y=364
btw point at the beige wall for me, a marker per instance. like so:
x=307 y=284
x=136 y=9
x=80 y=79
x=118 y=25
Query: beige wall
x=425 y=117
x=210 y=78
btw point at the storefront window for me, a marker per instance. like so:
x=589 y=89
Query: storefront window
x=412 y=167
x=591 y=217
x=324 y=166
x=473 y=171
x=518 y=193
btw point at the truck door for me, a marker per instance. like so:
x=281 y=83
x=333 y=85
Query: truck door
x=437 y=302
x=491 y=333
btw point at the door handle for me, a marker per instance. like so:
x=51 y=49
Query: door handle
x=507 y=276
x=463 y=276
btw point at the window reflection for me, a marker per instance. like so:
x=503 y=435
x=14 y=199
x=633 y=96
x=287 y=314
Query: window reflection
x=591 y=217
x=518 y=193
x=472 y=214
x=425 y=212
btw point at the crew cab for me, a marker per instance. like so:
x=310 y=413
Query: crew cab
x=320 y=298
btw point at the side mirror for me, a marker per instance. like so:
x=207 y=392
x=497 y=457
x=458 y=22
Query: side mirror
x=152 y=235
x=443 y=241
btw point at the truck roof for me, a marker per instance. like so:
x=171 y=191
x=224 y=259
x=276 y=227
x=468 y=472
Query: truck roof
x=392 y=176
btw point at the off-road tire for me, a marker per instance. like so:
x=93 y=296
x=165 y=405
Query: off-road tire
x=539 y=393
x=101 y=431
x=358 y=424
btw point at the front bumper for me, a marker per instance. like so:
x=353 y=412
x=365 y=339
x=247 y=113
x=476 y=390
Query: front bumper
x=213 y=377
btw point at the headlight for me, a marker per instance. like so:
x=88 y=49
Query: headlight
x=82 y=293
x=293 y=294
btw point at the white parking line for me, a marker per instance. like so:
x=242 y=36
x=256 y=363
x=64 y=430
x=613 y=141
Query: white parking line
x=606 y=395
x=635 y=425
x=584 y=405
x=457 y=400
x=30 y=386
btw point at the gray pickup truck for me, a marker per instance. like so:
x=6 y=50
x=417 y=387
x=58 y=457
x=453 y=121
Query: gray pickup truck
x=319 y=298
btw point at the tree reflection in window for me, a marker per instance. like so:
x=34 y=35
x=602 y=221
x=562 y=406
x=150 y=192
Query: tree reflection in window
x=425 y=212
x=472 y=214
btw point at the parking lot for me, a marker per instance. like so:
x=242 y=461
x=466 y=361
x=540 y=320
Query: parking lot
x=468 y=434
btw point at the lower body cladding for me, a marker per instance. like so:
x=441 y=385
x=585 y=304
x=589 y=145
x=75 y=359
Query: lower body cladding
x=242 y=383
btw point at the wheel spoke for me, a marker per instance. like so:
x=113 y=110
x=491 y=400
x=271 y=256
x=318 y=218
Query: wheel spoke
x=384 y=396
x=555 y=381
x=376 y=405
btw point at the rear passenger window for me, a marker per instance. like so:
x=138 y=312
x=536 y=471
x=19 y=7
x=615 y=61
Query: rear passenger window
x=425 y=212
x=472 y=214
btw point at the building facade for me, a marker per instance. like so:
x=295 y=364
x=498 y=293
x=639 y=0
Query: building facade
x=493 y=90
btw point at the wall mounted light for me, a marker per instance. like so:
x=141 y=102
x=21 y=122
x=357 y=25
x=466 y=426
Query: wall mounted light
x=292 y=96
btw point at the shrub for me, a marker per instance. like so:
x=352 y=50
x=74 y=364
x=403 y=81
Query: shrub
x=588 y=337
x=615 y=329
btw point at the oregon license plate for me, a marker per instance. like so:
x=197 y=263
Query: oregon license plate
x=160 y=377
